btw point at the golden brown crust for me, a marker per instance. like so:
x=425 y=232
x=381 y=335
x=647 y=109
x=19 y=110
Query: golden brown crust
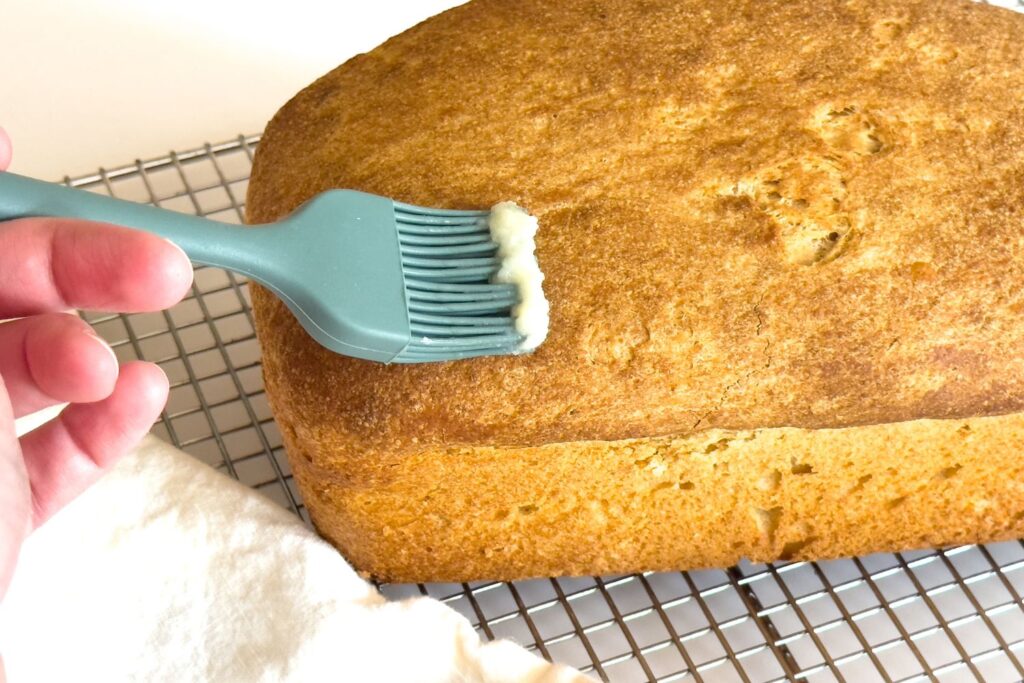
x=646 y=137
x=753 y=215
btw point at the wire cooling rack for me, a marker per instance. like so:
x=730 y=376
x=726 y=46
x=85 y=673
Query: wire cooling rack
x=950 y=615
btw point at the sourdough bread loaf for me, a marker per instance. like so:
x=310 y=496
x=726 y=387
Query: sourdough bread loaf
x=784 y=249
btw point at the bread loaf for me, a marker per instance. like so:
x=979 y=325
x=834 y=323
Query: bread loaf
x=783 y=248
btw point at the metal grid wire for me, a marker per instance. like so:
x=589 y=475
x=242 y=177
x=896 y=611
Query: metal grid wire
x=947 y=615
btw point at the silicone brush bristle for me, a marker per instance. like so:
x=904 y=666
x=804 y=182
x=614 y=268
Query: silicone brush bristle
x=455 y=310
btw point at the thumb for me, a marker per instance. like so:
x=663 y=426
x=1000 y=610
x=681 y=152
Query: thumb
x=5 y=155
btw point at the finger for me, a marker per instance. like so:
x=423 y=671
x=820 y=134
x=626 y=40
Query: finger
x=54 y=358
x=50 y=264
x=67 y=455
x=15 y=500
x=5 y=150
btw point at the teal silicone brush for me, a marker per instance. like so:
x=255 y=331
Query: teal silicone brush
x=365 y=276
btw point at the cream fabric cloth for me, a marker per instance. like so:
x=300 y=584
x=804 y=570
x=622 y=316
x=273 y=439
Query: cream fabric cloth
x=170 y=571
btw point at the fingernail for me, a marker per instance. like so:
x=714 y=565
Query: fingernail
x=178 y=248
x=103 y=342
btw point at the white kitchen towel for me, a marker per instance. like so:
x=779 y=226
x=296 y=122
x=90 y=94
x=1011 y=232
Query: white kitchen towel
x=170 y=571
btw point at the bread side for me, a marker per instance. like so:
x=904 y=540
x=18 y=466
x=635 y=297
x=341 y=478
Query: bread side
x=671 y=503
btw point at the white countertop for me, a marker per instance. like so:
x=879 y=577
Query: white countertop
x=85 y=83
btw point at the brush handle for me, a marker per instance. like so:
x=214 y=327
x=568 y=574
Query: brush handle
x=206 y=242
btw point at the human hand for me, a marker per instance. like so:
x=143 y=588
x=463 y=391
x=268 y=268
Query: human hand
x=49 y=356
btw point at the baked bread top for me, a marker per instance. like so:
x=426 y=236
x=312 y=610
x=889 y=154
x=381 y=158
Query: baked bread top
x=752 y=214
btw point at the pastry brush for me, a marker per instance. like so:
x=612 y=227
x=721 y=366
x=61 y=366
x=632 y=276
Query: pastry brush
x=366 y=276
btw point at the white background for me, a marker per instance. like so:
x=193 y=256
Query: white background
x=85 y=83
